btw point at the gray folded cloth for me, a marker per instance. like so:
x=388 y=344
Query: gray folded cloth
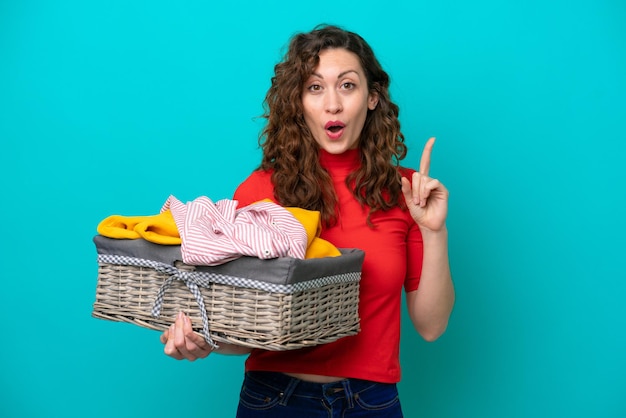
x=283 y=270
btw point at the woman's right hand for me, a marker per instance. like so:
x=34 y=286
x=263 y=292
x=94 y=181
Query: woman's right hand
x=182 y=343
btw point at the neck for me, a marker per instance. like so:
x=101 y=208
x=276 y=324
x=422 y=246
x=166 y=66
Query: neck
x=346 y=161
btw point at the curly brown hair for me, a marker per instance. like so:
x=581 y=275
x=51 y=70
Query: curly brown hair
x=291 y=152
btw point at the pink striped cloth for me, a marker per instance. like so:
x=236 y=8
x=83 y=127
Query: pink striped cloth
x=215 y=233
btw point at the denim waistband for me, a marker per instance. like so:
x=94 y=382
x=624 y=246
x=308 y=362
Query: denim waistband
x=292 y=386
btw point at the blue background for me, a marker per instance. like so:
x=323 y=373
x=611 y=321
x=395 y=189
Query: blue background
x=110 y=107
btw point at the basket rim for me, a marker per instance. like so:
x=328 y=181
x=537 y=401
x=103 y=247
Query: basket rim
x=203 y=277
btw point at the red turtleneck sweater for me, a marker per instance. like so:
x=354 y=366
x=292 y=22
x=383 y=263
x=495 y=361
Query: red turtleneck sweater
x=393 y=260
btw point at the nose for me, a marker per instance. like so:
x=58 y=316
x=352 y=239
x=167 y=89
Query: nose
x=333 y=102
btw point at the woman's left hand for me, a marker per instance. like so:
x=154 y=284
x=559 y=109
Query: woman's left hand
x=426 y=198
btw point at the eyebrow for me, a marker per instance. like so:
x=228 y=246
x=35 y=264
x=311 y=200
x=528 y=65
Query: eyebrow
x=340 y=74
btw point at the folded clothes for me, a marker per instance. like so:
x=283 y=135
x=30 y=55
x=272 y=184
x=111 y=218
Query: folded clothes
x=159 y=229
x=215 y=233
x=316 y=246
x=162 y=228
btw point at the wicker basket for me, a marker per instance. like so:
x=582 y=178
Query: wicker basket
x=316 y=302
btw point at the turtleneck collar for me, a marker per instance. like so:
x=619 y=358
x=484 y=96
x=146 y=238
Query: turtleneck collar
x=345 y=162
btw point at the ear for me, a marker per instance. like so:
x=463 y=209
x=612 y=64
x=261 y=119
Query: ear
x=372 y=100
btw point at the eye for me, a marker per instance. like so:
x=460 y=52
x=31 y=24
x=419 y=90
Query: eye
x=348 y=85
x=314 y=88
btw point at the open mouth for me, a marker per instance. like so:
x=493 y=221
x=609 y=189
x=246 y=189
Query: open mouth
x=334 y=127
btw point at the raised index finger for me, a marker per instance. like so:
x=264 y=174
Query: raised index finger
x=425 y=161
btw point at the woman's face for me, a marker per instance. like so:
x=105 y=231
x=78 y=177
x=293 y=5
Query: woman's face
x=336 y=99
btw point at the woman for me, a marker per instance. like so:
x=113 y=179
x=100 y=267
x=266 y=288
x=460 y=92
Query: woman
x=333 y=144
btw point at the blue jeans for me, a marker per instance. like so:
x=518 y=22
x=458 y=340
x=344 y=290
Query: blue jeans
x=271 y=394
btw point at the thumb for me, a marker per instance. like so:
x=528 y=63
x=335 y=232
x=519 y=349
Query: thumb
x=407 y=191
x=166 y=334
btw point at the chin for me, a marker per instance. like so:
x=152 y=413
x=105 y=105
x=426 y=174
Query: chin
x=335 y=148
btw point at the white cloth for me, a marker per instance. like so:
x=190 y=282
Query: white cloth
x=215 y=233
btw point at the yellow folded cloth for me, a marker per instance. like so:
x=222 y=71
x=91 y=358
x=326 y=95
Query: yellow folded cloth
x=316 y=247
x=160 y=229
x=311 y=221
